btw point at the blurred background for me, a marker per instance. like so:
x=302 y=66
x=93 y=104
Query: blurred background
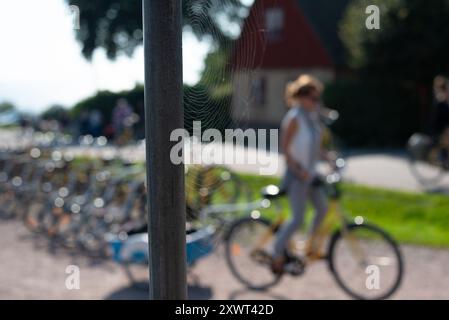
x=71 y=82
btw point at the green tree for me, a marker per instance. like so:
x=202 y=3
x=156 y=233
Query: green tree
x=407 y=52
x=56 y=112
x=116 y=25
x=217 y=73
x=411 y=45
x=6 y=107
x=105 y=101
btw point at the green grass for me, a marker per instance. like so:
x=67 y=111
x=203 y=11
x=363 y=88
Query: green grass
x=421 y=219
x=9 y=126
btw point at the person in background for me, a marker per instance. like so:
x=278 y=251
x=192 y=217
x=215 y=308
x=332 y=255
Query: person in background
x=83 y=123
x=95 y=123
x=120 y=118
x=440 y=119
x=441 y=105
x=109 y=132
x=301 y=140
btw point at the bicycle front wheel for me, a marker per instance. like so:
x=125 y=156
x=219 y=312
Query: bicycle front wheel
x=366 y=262
x=246 y=253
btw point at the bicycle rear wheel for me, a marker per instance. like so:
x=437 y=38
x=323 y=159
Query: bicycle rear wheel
x=366 y=262
x=246 y=253
x=426 y=165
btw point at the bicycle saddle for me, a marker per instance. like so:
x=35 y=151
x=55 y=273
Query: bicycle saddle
x=272 y=192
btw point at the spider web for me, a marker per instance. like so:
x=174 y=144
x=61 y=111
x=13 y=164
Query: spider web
x=240 y=64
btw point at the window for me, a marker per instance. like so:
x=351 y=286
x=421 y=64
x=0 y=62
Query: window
x=274 y=23
x=258 y=91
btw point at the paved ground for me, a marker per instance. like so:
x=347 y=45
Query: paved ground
x=29 y=269
x=388 y=170
x=379 y=169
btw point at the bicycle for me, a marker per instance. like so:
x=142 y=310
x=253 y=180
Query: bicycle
x=91 y=208
x=428 y=160
x=211 y=185
x=354 y=249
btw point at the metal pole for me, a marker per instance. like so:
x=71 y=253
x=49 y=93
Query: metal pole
x=164 y=113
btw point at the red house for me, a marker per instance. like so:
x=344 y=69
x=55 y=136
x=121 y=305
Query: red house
x=281 y=39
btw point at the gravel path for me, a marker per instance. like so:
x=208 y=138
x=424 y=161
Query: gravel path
x=29 y=269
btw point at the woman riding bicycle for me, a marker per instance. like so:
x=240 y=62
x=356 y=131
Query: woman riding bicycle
x=301 y=141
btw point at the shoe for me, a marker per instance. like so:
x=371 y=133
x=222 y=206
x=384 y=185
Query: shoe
x=313 y=251
x=277 y=265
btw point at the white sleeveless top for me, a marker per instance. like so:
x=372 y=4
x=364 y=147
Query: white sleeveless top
x=306 y=143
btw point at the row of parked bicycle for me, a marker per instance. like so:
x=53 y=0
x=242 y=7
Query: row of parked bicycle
x=83 y=203
x=75 y=203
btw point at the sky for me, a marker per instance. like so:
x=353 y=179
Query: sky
x=41 y=63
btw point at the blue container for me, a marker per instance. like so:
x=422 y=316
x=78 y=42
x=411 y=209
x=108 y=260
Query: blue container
x=135 y=249
x=199 y=244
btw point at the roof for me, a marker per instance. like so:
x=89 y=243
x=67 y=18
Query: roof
x=325 y=16
x=310 y=36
